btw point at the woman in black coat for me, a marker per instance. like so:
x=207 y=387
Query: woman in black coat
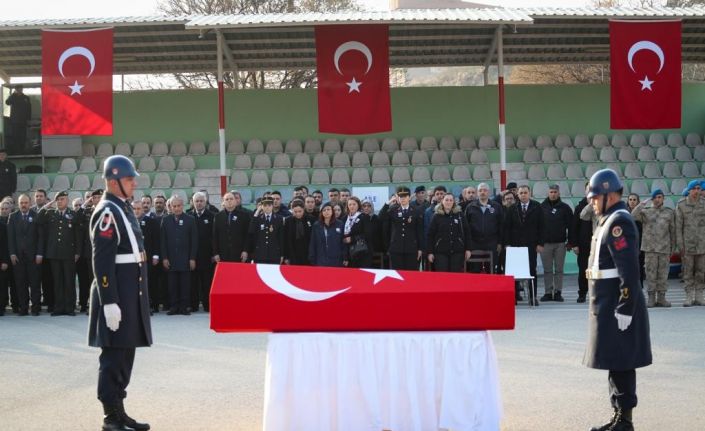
x=326 y=247
x=375 y=226
x=357 y=229
x=297 y=235
x=448 y=242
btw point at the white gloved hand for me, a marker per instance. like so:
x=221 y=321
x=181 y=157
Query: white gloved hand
x=623 y=321
x=113 y=316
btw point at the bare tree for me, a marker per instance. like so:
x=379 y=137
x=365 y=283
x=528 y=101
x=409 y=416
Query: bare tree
x=257 y=79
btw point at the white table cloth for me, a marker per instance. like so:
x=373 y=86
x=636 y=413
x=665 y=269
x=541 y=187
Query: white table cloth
x=400 y=381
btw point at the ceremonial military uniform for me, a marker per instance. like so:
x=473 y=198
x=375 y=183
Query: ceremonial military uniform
x=618 y=324
x=120 y=281
x=202 y=276
x=405 y=227
x=230 y=233
x=658 y=243
x=84 y=269
x=25 y=242
x=62 y=239
x=690 y=238
x=267 y=238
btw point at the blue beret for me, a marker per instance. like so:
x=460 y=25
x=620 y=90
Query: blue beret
x=692 y=184
x=656 y=193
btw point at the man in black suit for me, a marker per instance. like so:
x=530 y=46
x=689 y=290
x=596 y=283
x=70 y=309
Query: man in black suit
x=46 y=279
x=20 y=114
x=24 y=245
x=230 y=231
x=8 y=175
x=5 y=274
x=202 y=276
x=266 y=234
x=405 y=225
x=62 y=245
x=179 y=244
x=524 y=227
x=150 y=233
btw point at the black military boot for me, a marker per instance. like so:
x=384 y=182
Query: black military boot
x=608 y=425
x=133 y=424
x=624 y=422
x=113 y=419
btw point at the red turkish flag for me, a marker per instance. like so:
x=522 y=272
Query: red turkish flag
x=77 y=82
x=352 y=63
x=287 y=298
x=645 y=68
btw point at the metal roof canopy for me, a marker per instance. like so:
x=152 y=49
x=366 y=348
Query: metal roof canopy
x=418 y=38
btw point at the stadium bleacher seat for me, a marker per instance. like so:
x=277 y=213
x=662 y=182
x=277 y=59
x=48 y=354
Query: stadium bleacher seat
x=321 y=160
x=540 y=190
x=341 y=160
x=389 y=145
x=652 y=170
x=146 y=164
x=675 y=140
x=242 y=161
x=274 y=146
x=581 y=141
x=320 y=176
x=162 y=180
x=255 y=146
x=340 y=176
x=23 y=183
x=280 y=177
x=68 y=166
x=588 y=154
x=371 y=145
x=626 y=154
x=690 y=170
x=331 y=146
x=525 y=142
x=182 y=180
x=400 y=158
x=677 y=186
x=360 y=176
x=380 y=158
x=239 y=178
x=421 y=174
x=486 y=142
x=234 y=147
x=671 y=170
x=637 y=140
x=281 y=160
x=123 y=148
x=569 y=155
x=577 y=189
x=467 y=143
x=439 y=157
x=104 y=150
x=428 y=143
x=555 y=172
x=420 y=157
x=459 y=157
x=537 y=172
x=574 y=172
x=646 y=154
x=293 y=146
x=360 y=159
x=544 y=141
x=659 y=184
x=639 y=187
x=633 y=170
x=166 y=163
x=186 y=163
x=351 y=145
x=600 y=141
x=478 y=157
x=313 y=146
x=300 y=176
x=262 y=161
x=159 y=149
x=532 y=155
x=448 y=143
x=608 y=154
x=656 y=140
x=699 y=153
x=87 y=149
x=549 y=155
x=440 y=173
x=619 y=140
x=99 y=183
x=141 y=149
x=664 y=154
x=401 y=175
x=409 y=144
x=259 y=178
x=81 y=182
x=683 y=154
x=380 y=175
x=693 y=140
x=461 y=173
x=301 y=160
x=563 y=141
x=61 y=182
x=509 y=142
x=481 y=173
x=197 y=148
x=143 y=182
x=591 y=169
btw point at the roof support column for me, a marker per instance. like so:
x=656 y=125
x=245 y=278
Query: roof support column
x=229 y=56
x=490 y=55
x=502 y=132
x=221 y=114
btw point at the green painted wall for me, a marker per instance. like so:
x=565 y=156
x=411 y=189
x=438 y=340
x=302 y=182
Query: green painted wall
x=435 y=111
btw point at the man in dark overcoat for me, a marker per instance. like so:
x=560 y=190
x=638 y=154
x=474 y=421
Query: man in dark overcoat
x=202 y=276
x=24 y=246
x=119 y=304
x=618 y=324
x=231 y=231
x=179 y=244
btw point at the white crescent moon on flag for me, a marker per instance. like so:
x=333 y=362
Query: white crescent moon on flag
x=76 y=50
x=272 y=276
x=352 y=46
x=649 y=46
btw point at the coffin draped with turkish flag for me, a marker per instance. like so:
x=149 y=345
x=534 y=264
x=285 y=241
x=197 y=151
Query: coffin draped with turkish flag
x=77 y=82
x=352 y=67
x=645 y=73
x=264 y=298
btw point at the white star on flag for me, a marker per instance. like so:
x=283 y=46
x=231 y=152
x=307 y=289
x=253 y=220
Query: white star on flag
x=646 y=84
x=75 y=88
x=354 y=85
x=381 y=274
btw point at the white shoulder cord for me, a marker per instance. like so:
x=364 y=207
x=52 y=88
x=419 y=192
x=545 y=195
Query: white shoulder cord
x=600 y=235
x=103 y=226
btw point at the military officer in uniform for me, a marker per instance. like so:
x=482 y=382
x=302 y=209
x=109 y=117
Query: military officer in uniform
x=690 y=238
x=618 y=322
x=266 y=234
x=231 y=228
x=202 y=276
x=84 y=269
x=61 y=230
x=658 y=243
x=179 y=244
x=150 y=233
x=119 y=311
x=405 y=225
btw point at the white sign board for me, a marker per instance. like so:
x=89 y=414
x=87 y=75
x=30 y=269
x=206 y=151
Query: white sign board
x=517 y=263
x=377 y=195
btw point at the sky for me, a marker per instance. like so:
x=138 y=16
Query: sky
x=45 y=9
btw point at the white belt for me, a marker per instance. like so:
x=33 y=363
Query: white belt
x=601 y=274
x=128 y=258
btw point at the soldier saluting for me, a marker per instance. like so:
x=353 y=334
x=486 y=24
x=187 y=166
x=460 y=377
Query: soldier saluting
x=618 y=322
x=119 y=310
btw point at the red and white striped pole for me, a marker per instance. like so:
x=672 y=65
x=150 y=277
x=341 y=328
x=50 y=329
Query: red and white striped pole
x=221 y=115
x=502 y=132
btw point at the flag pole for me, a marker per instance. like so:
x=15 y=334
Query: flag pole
x=221 y=113
x=502 y=132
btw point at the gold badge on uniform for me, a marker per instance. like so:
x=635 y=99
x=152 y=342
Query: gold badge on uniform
x=616 y=231
x=105 y=281
x=625 y=293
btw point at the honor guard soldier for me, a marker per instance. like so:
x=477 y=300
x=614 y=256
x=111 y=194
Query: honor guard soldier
x=405 y=225
x=658 y=243
x=618 y=322
x=202 y=276
x=690 y=238
x=231 y=228
x=179 y=243
x=119 y=311
x=267 y=234
x=61 y=230
x=84 y=269
x=150 y=232
x=25 y=246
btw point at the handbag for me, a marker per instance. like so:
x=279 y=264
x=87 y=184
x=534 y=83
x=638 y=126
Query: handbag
x=358 y=248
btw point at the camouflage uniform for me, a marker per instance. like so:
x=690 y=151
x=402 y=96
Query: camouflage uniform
x=658 y=243
x=690 y=238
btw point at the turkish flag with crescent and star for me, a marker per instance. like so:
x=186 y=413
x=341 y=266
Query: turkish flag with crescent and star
x=352 y=65
x=288 y=298
x=645 y=69
x=77 y=82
